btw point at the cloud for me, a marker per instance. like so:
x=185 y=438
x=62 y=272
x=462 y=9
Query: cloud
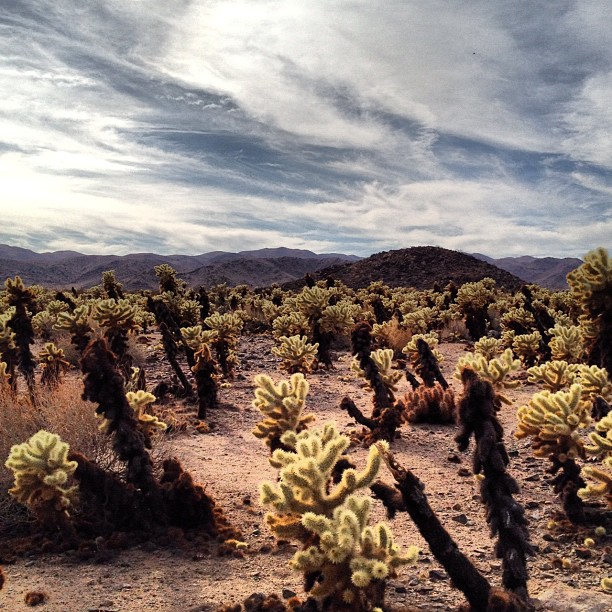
x=193 y=126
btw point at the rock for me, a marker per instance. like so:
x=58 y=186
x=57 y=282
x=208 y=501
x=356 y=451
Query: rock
x=454 y=458
x=462 y=519
x=288 y=593
x=560 y=598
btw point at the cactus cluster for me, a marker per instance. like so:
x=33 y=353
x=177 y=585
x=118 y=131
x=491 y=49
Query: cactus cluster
x=351 y=558
x=42 y=470
x=296 y=353
x=282 y=405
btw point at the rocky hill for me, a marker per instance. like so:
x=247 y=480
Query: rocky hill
x=418 y=267
x=548 y=272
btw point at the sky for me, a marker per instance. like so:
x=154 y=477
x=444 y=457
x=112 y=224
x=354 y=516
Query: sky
x=189 y=126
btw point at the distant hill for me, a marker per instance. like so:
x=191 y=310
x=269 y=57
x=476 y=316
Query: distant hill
x=548 y=272
x=418 y=267
x=64 y=269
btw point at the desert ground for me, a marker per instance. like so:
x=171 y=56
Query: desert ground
x=231 y=463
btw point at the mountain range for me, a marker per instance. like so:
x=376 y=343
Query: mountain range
x=417 y=266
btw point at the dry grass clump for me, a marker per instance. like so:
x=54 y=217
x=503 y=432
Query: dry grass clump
x=61 y=411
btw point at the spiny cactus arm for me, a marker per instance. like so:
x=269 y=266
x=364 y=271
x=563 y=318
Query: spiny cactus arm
x=462 y=572
x=554 y=375
x=594 y=381
x=352 y=480
x=601 y=482
x=601 y=444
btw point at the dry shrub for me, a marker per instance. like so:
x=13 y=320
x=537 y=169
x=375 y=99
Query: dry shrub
x=61 y=411
x=455 y=330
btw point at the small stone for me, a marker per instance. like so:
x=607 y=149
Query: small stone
x=532 y=504
x=532 y=478
x=464 y=472
x=583 y=553
x=462 y=519
x=401 y=589
x=454 y=458
x=437 y=575
x=456 y=507
x=288 y=593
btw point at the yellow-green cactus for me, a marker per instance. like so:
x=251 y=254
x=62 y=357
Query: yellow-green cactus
x=195 y=336
x=227 y=325
x=282 y=406
x=594 y=381
x=41 y=471
x=601 y=444
x=591 y=283
x=412 y=351
x=115 y=314
x=566 y=343
x=554 y=421
x=312 y=301
x=476 y=295
x=297 y=354
x=495 y=370
x=606 y=584
x=305 y=475
x=339 y=317
x=290 y=324
x=420 y=320
x=42 y=323
x=527 y=346
x=139 y=400
x=53 y=363
x=351 y=557
x=489 y=348
x=600 y=485
x=518 y=316
x=77 y=322
x=4 y=375
x=383 y=359
x=554 y=375
x=7 y=335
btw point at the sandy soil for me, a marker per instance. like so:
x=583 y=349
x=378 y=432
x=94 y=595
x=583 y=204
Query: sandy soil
x=232 y=462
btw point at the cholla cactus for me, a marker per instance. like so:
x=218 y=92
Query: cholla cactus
x=167 y=279
x=601 y=475
x=554 y=421
x=41 y=470
x=312 y=301
x=77 y=324
x=412 y=352
x=430 y=405
x=518 y=319
x=474 y=299
x=282 y=406
x=115 y=314
x=527 y=347
x=566 y=343
x=591 y=285
x=227 y=327
x=195 y=336
x=297 y=353
x=42 y=323
x=495 y=370
x=489 y=348
x=5 y=377
x=420 y=320
x=383 y=359
x=53 y=364
x=139 y=400
x=554 y=375
x=594 y=381
x=339 y=317
x=352 y=558
x=291 y=324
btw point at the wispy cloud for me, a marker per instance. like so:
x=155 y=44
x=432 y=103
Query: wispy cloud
x=190 y=126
